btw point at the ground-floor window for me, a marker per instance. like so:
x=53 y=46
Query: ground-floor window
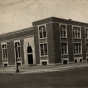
x=43 y=49
x=77 y=48
x=4 y=51
x=64 y=48
x=18 y=49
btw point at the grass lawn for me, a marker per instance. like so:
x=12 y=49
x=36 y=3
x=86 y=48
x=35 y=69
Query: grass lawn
x=70 y=78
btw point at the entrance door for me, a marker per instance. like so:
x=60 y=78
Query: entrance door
x=75 y=60
x=30 y=59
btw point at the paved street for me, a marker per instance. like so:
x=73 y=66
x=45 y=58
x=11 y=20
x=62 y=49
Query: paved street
x=68 y=78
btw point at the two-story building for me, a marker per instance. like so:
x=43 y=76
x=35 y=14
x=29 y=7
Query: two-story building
x=50 y=41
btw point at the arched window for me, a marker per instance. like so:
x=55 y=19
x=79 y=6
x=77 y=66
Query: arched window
x=18 y=46
x=29 y=49
x=4 y=51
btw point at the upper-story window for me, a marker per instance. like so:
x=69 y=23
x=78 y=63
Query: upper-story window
x=43 y=49
x=4 y=51
x=63 y=31
x=76 y=32
x=64 y=48
x=18 y=49
x=77 y=48
x=42 y=32
x=86 y=32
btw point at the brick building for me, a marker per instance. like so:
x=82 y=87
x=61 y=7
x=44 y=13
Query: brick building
x=50 y=41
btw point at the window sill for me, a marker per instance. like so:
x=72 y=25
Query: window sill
x=27 y=53
x=78 y=54
x=18 y=57
x=76 y=38
x=64 y=54
x=44 y=56
x=43 y=38
x=5 y=59
x=63 y=37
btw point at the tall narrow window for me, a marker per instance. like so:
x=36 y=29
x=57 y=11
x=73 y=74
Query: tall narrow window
x=86 y=32
x=77 y=48
x=43 y=49
x=86 y=47
x=42 y=32
x=76 y=32
x=64 y=48
x=4 y=51
x=29 y=48
x=63 y=31
x=18 y=48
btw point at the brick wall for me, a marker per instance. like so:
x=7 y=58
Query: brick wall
x=70 y=43
x=11 y=56
x=22 y=51
x=83 y=43
x=0 y=55
x=57 y=43
x=36 y=45
x=50 y=42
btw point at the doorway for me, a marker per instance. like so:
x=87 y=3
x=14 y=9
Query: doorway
x=30 y=59
x=30 y=55
x=75 y=60
x=80 y=60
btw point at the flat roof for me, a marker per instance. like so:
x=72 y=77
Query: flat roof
x=55 y=19
x=13 y=32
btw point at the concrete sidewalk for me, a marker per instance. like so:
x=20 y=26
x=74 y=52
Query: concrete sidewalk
x=41 y=69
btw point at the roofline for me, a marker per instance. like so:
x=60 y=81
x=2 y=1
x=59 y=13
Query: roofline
x=70 y=20
x=21 y=30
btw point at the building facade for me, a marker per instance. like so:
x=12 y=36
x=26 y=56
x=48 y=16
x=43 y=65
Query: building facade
x=50 y=41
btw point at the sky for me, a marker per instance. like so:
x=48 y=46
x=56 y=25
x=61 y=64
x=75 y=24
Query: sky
x=19 y=14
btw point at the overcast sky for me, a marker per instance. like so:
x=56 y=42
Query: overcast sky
x=19 y=14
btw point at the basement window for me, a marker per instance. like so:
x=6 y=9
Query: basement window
x=65 y=61
x=5 y=65
x=44 y=63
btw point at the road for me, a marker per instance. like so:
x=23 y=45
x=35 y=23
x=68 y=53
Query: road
x=70 y=78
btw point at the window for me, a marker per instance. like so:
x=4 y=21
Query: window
x=43 y=49
x=29 y=48
x=4 y=51
x=18 y=49
x=77 y=48
x=63 y=31
x=86 y=47
x=64 y=48
x=86 y=32
x=76 y=32
x=42 y=32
